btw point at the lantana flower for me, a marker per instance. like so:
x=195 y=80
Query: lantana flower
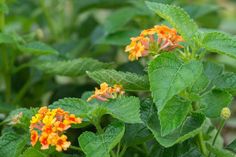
x=48 y=126
x=153 y=40
x=105 y=92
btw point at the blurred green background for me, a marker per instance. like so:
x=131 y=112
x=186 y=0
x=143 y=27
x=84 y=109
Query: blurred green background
x=98 y=29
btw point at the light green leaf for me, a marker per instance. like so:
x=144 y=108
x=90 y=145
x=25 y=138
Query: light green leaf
x=124 y=108
x=191 y=126
x=213 y=102
x=177 y=17
x=220 y=43
x=12 y=143
x=100 y=145
x=200 y=84
x=73 y=67
x=219 y=152
x=7 y=39
x=130 y=81
x=32 y=152
x=37 y=48
x=168 y=76
x=173 y=115
x=119 y=18
x=226 y=81
x=73 y=105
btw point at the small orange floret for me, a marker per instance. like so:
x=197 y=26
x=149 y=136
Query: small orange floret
x=105 y=92
x=158 y=38
x=34 y=137
x=48 y=126
x=61 y=143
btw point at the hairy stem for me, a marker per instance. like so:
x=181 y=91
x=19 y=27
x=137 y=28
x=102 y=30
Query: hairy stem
x=75 y=148
x=2 y=17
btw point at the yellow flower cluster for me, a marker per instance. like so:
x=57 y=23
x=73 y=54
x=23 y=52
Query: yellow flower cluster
x=105 y=92
x=158 y=38
x=48 y=125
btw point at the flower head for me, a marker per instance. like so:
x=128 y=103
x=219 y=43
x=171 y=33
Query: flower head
x=48 y=125
x=156 y=39
x=225 y=113
x=105 y=92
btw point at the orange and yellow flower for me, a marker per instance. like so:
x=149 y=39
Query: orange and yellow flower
x=48 y=125
x=156 y=39
x=105 y=92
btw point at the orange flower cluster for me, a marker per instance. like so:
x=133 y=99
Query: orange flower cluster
x=158 y=38
x=48 y=126
x=105 y=92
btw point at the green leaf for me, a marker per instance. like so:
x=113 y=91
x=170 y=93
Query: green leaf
x=136 y=134
x=73 y=67
x=130 y=81
x=212 y=70
x=177 y=17
x=200 y=84
x=173 y=115
x=191 y=126
x=220 y=43
x=124 y=108
x=73 y=105
x=213 y=102
x=168 y=76
x=12 y=143
x=100 y=145
x=219 y=152
x=7 y=39
x=119 y=18
x=32 y=152
x=232 y=146
x=37 y=48
x=226 y=81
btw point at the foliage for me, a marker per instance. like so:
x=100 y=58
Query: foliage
x=54 y=52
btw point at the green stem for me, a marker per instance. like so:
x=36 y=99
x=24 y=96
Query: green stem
x=7 y=75
x=47 y=16
x=2 y=17
x=123 y=151
x=22 y=92
x=202 y=144
x=222 y=123
x=75 y=148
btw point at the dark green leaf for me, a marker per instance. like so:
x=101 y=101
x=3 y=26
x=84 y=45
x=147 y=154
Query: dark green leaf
x=37 y=48
x=219 y=152
x=73 y=67
x=213 y=102
x=226 y=81
x=130 y=81
x=32 y=152
x=100 y=145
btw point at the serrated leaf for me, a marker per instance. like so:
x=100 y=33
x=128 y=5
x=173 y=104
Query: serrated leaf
x=173 y=114
x=130 y=81
x=200 y=84
x=226 y=81
x=73 y=105
x=37 y=48
x=177 y=17
x=220 y=43
x=73 y=67
x=12 y=143
x=168 y=76
x=124 y=108
x=191 y=126
x=100 y=145
x=219 y=152
x=213 y=102
x=32 y=152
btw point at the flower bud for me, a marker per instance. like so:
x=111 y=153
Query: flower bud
x=225 y=113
